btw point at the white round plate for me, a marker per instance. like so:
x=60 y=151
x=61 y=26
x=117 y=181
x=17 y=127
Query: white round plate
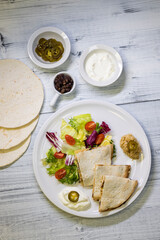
x=121 y=123
x=48 y=32
x=117 y=60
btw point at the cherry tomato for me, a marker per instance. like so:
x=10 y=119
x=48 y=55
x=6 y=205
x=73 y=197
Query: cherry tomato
x=61 y=173
x=70 y=140
x=99 y=139
x=90 y=126
x=59 y=155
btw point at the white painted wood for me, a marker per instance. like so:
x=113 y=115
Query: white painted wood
x=133 y=29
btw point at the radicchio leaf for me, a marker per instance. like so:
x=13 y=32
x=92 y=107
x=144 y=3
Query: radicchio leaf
x=105 y=128
x=69 y=160
x=90 y=141
x=54 y=139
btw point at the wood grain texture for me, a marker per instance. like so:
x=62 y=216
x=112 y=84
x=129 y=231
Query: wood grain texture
x=133 y=29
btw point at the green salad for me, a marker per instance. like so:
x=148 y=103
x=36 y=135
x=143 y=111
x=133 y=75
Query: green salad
x=80 y=132
x=53 y=164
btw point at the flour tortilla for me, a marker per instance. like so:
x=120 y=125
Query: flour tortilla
x=87 y=160
x=101 y=170
x=115 y=191
x=11 y=137
x=21 y=94
x=7 y=157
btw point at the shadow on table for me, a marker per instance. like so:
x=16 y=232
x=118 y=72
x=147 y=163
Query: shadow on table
x=121 y=216
x=113 y=219
x=110 y=90
x=117 y=86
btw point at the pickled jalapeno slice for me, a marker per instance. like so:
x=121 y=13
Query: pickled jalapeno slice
x=132 y=145
x=73 y=196
x=52 y=43
x=56 y=52
x=48 y=54
x=49 y=50
x=39 y=51
x=42 y=41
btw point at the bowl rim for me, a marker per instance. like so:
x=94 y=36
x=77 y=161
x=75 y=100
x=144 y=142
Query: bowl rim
x=43 y=30
x=111 y=79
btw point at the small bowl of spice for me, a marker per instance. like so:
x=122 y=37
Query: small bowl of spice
x=63 y=84
x=49 y=47
x=100 y=65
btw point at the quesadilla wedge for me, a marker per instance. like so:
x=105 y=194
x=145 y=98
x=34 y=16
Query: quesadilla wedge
x=100 y=170
x=87 y=160
x=115 y=191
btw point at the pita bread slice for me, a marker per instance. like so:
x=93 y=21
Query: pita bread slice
x=7 y=157
x=11 y=137
x=87 y=160
x=115 y=191
x=100 y=170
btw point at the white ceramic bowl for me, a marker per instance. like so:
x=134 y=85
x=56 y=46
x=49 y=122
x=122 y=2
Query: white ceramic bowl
x=58 y=94
x=48 y=32
x=114 y=76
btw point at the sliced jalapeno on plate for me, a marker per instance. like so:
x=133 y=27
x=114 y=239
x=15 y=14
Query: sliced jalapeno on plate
x=73 y=196
x=132 y=145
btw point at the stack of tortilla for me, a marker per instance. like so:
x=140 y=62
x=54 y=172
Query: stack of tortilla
x=21 y=99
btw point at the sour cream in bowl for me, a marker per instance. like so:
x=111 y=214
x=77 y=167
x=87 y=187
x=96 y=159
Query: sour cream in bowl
x=100 y=65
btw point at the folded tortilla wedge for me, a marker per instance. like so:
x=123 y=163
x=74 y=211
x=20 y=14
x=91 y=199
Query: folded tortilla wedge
x=87 y=160
x=100 y=170
x=115 y=191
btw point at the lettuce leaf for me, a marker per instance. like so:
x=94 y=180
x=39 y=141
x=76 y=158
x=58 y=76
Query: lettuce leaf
x=51 y=163
x=58 y=164
x=71 y=149
x=78 y=123
x=72 y=175
x=106 y=141
x=50 y=154
x=66 y=129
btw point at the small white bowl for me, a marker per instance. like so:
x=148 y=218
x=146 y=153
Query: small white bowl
x=58 y=94
x=48 y=32
x=114 y=76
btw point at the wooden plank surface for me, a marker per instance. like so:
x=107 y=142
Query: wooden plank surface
x=133 y=29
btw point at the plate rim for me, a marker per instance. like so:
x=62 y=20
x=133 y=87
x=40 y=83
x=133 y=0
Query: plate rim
x=67 y=107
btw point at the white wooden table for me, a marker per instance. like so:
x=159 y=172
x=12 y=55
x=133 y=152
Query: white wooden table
x=133 y=29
